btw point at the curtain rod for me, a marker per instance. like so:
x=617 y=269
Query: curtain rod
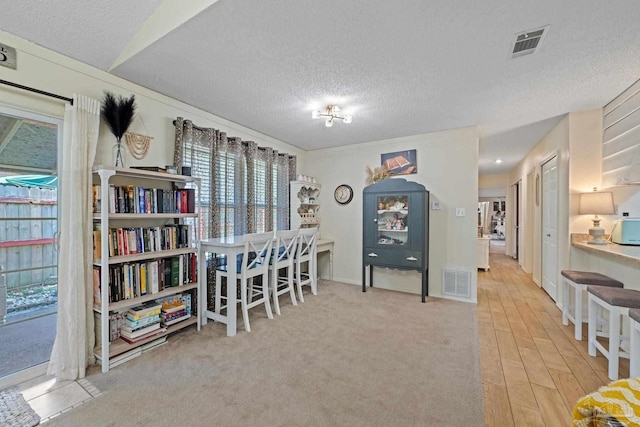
x=243 y=142
x=41 y=92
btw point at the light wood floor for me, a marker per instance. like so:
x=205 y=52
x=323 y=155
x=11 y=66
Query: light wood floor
x=533 y=370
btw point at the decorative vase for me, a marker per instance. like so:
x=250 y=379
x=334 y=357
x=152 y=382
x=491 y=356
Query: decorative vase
x=119 y=154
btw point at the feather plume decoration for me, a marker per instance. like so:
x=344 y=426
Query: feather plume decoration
x=377 y=174
x=118 y=113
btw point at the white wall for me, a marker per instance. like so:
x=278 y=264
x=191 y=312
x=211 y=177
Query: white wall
x=46 y=70
x=555 y=143
x=577 y=140
x=447 y=166
x=494 y=181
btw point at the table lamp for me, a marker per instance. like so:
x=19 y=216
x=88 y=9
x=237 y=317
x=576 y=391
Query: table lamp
x=596 y=203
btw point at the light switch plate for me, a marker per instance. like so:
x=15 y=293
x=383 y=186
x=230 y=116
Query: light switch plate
x=460 y=212
x=436 y=206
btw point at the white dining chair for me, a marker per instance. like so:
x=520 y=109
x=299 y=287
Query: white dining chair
x=283 y=255
x=306 y=261
x=253 y=262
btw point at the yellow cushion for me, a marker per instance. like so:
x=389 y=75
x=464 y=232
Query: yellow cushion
x=619 y=401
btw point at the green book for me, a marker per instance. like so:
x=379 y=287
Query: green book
x=175 y=271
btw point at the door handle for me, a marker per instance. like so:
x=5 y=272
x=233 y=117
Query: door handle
x=373 y=255
x=411 y=258
x=548 y=235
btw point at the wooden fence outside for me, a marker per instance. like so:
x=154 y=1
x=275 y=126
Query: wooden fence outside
x=28 y=227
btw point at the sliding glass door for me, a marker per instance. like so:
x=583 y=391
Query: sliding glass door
x=28 y=251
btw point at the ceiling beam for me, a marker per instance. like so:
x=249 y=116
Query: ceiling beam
x=168 y=16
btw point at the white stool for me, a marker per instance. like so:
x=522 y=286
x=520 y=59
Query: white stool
x=578 y=281
x=634 y=352
x=617 y=303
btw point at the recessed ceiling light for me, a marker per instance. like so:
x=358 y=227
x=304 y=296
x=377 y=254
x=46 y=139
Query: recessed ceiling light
x=498 y=160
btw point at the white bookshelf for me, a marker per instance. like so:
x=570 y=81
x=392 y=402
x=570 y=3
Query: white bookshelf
x=111 y=354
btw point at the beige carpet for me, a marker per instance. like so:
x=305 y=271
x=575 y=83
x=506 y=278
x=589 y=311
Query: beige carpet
x=343 y=358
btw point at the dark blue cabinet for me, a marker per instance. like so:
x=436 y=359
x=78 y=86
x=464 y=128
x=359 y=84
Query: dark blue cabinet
x=396 y=229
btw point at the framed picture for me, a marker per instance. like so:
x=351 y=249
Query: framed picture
x=496 y=206
x=400 y=162
x=503 y=205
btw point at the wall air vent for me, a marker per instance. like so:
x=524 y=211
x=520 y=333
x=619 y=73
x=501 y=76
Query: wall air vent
x=527 y=42
x=456 y=283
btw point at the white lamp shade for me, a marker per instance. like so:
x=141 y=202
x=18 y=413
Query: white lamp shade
x=597 y=203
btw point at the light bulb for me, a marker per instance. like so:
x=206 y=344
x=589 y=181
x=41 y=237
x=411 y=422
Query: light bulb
x=347 y=118
x=335 y=109
x=329 y=122
x=315 y=114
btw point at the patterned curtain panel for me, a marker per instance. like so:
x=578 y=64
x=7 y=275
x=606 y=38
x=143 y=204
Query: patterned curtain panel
x=245 y=188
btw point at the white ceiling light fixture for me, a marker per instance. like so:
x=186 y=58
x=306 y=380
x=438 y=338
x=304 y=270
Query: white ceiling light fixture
x=498 y=161
x=332 y=112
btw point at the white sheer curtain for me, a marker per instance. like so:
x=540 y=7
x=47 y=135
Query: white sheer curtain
x=75 y=339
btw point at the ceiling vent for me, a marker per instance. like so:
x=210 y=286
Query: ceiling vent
x=527 y=42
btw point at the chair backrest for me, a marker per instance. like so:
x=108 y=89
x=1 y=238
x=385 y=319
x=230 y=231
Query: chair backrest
x=285 y=247
x=257 y=251
x=306 y=243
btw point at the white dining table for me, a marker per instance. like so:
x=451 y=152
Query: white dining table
x=230 y=246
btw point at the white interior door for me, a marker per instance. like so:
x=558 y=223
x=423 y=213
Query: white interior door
x=515 y=221
x=550 y=227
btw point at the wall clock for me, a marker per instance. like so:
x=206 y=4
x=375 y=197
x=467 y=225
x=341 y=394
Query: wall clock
x=343 y=194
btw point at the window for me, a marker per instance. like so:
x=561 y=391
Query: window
x=246 y=196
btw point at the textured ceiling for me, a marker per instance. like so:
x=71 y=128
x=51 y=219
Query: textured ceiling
x=400 y=68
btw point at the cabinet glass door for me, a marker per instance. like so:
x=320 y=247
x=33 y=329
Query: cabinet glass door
x=392 y=220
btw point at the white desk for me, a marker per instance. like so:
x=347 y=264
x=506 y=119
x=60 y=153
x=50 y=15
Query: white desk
x=325 y=245
x=230 y=246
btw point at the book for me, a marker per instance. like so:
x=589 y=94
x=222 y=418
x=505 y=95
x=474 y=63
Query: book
x=96 y=287
x=139 y=323
x=156 y=332
x=176 y=320
x=170 y=307
x=175 y=271
x=146 y=309
x=154 y=283
x=97 y=199
x=132 y=326
x=139 y=332
x=166 y=317
x=97 y=242
x=143 y=278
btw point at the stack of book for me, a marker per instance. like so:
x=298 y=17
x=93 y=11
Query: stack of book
x=142 y=322
x=173 y=312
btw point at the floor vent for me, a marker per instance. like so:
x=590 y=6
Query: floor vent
x=456 y=283
x=527 y=42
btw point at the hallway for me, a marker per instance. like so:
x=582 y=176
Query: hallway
x=533 y=371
